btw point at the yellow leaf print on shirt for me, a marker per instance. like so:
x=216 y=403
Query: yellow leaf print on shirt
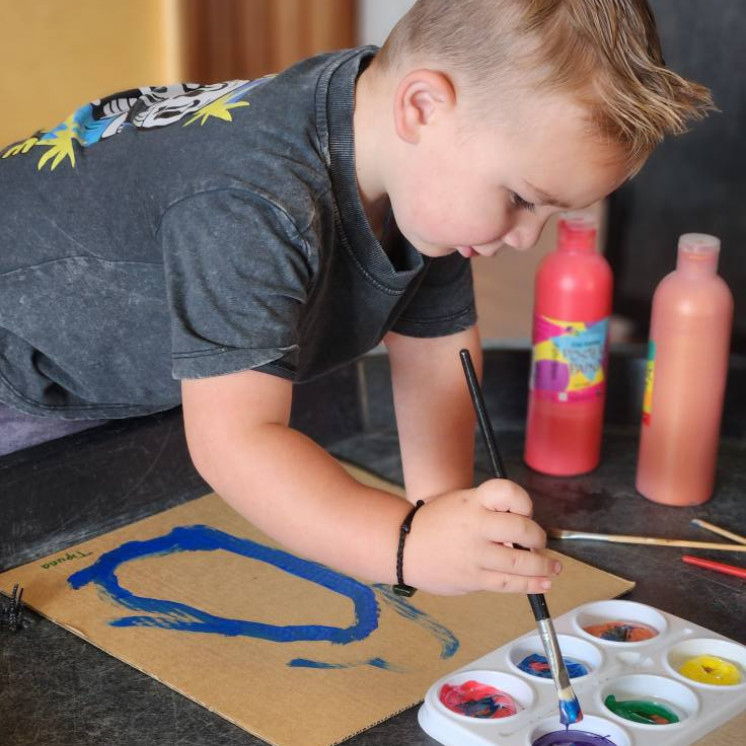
x=219 y=108
x=60 y=144
x=21 y=147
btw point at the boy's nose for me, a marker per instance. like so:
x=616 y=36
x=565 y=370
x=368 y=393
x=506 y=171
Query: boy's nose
x=525 y=234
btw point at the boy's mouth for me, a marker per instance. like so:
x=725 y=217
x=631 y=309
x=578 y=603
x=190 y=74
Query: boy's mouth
x=466 y=251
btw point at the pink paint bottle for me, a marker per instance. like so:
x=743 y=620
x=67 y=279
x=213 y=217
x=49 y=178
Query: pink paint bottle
x=567 y=389
x=688 y=352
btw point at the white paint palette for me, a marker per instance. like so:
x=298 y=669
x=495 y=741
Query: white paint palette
x=646 y=670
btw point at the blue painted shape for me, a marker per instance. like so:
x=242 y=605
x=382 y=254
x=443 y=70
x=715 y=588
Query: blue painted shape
x=449 y=642
x=178 y=616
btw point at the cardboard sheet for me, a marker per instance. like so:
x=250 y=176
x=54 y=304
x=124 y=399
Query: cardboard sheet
x=286 y=649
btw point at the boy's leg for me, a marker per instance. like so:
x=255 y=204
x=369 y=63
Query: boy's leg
x=19 y=430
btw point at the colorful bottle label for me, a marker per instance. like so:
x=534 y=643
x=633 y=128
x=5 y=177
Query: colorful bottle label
x=647 y=400
x=569 y=358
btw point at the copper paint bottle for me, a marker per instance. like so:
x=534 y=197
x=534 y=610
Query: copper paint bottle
x=567 y=390
x=688 y=351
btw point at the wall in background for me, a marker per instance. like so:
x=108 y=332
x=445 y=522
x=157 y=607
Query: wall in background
x=56 y=56
x=250 y=38
x=376 y=18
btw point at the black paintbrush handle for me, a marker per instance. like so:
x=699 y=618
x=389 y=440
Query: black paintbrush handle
x=485 y=426
x=537 y=600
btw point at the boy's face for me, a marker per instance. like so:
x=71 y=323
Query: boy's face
x=475 y=188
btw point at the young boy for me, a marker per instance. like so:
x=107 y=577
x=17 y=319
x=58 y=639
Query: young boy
x=241 y=236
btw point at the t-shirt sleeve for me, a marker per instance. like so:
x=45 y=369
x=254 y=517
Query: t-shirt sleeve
x=443 y=303
x=237 y=277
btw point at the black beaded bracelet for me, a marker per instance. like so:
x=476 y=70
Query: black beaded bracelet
x=401 y=588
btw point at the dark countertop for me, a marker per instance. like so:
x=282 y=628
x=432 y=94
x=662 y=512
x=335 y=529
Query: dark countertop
x=57 y=690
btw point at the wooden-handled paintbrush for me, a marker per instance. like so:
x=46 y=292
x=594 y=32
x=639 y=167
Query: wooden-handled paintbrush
x=569 y=707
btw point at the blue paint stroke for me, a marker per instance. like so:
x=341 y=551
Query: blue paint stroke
x=177 y=616
x=449 y=642
x=375 y=662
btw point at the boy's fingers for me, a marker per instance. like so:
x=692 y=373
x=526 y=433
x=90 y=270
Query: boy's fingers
x=504 y=496
x=514 y=529
x=517 y=562
x=501 y=583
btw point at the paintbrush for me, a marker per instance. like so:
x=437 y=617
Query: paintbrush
x=560 y=533
x=720 y=531
x=569 y=707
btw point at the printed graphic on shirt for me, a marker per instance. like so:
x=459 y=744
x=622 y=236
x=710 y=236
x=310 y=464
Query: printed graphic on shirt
x=142 y=108
x=568 y=359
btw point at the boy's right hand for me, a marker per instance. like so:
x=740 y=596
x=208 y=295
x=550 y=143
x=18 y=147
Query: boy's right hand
x=459 y=542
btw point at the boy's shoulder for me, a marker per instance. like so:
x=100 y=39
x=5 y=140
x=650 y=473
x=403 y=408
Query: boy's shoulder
x=291 y=151
x=268 y=137
x=188 y=124
x=293 y=147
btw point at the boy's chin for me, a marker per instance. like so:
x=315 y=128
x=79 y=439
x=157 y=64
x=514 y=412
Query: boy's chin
x=435 y=252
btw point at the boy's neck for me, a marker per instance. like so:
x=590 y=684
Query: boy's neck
x=371 y=127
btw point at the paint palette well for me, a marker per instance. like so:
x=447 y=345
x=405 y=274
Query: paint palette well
x=604 y=637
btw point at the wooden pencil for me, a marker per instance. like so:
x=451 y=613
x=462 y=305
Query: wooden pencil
x=559 y=533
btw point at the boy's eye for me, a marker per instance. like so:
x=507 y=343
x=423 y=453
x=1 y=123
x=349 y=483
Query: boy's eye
x=521 y=203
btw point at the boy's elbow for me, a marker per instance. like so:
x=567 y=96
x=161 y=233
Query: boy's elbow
x=210 y=443
x=226 y=456
x=203 y=456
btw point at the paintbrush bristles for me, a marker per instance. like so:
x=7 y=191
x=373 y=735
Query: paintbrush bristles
x=559 y=533
x=569 y=707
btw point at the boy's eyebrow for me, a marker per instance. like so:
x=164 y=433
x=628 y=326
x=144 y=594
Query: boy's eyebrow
x=546 y=198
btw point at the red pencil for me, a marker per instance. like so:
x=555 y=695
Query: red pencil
x=739 y=572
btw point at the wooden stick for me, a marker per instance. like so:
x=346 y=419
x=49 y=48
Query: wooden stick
x=559 y=533
x=717 y=530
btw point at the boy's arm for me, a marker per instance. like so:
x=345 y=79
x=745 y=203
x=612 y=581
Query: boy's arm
x=283 y=482
x=290 y=488
x=434 y=414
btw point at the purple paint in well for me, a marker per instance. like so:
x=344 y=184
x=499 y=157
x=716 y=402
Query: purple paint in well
x=572 y=738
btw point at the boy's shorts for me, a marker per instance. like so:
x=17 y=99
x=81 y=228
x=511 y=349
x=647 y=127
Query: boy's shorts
x=19 y=430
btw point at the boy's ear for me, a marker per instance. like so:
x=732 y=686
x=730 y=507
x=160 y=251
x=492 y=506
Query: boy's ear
x=421 y=98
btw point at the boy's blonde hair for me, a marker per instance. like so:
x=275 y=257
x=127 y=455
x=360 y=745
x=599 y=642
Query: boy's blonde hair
x=604 y=52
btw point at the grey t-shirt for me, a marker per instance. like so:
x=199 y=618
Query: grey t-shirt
x=194 y=231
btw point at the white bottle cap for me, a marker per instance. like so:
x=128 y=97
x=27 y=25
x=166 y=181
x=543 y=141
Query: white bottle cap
x=699 y=243
x=698 y=253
